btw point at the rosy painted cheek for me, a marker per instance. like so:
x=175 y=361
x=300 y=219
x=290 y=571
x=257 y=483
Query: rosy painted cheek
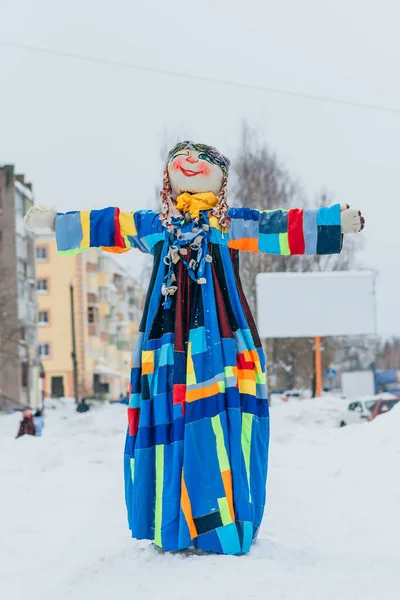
x=177 y=164
x=206 y=168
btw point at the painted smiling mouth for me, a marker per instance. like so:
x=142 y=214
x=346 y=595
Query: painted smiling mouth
x=189 y=173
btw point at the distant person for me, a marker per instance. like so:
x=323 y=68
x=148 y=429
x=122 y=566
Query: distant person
x=27 y=425
x=38 y=421
x=83 y=406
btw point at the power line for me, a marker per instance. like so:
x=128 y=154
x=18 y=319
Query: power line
x=227 y=82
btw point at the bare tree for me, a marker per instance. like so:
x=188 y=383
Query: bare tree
x=261 y=182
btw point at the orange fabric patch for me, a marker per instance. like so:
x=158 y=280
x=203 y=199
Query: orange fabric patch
x=147 y=368
x=246 y=374
x=114 y=249
x=227 y=481
x=249 y=244
x=187 y=510
x=205 y=392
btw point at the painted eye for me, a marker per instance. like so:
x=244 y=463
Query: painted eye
x=182 y=153
x=207 y=157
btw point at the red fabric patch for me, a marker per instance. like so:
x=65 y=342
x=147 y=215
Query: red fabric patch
x=118 y=239
x=242 y=364
x=179 y=394
x=295 y=231
x=133 y=420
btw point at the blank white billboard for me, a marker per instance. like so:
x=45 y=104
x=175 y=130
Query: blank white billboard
x=315 y=304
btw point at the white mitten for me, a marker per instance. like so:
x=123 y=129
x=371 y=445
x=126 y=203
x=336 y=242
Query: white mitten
x=41 y=217
x=351 y=220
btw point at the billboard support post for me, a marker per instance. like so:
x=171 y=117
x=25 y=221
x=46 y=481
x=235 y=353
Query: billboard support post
x=318 y=366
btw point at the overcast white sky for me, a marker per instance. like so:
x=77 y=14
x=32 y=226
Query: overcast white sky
x=88 y=135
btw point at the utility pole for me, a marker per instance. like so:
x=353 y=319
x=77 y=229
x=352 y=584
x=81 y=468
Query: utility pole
x=73 y=354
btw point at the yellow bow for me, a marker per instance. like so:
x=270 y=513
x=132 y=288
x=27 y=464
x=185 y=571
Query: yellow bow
x=194 y=203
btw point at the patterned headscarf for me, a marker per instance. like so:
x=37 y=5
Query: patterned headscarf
x=221 y=208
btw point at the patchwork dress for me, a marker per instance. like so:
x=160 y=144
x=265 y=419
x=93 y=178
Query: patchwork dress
x=196 y=452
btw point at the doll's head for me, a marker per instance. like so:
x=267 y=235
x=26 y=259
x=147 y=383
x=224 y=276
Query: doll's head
x=195 y=168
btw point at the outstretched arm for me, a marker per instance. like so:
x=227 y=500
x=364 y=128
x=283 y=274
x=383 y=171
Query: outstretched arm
x=294 y=231
x=108 y=229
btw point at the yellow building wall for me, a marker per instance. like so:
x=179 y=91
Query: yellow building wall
x=92 y=350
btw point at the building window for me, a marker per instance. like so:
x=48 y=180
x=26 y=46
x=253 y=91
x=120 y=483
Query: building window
x=43 y=317
x=42 y=285
x=44 y=350
x=91 y=314
x=41 y=253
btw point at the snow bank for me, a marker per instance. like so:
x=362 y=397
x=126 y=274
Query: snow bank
x=331 y=528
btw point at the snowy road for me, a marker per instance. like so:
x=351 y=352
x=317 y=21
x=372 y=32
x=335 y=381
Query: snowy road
x=331 y=531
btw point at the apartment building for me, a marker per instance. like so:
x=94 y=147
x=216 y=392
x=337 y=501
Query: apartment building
x=107 y=305
x=19 y=364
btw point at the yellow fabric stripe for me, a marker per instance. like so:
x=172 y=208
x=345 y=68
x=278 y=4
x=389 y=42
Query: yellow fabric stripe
x=225 y=511
x=159 y=494
x=127 y=223
x=247 y=425
x=222 y=454
x=85 y=224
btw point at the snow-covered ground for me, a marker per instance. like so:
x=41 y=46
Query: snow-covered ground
x=331 y=530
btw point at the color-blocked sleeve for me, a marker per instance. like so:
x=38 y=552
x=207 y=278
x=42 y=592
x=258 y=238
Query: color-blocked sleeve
x=108 y=229
x=286 y=232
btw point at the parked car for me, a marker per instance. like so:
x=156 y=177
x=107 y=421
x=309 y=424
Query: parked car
x=383 y=406
x=360 y=411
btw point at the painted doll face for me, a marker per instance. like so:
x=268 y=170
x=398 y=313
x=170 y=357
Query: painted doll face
x=192 y=171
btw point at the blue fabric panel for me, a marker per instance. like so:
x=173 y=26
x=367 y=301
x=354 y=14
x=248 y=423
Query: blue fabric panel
x=160 y=434
x=203 y=367
x=201 y=468
x=229 y=539
x=136 y=378
x=248 y=214
x=166 y=356
x=198 y=338
x=209 y=542
x=329 y=239
x=184 y=540
x=329 y=215
x=162 y=406
x=146 y=414
x=259 y=460
x=261 y=391
x=147 y=223
x=275 y=221
x=165 y=379
x=68 y=231
x=173 y=459
x=167 y=338
x=205 y=407
x=134 y=400
x=179 y=367
x=142 y=507
x=269 y=243
x=240 y=228
x=128 y=487
x=102 y=227
x=310 y=231
x=149 y=241
x=229 y=351
x=232 y=397
x=177 y=411
x=247 y=536
x=135 y=242
x=255 y=406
